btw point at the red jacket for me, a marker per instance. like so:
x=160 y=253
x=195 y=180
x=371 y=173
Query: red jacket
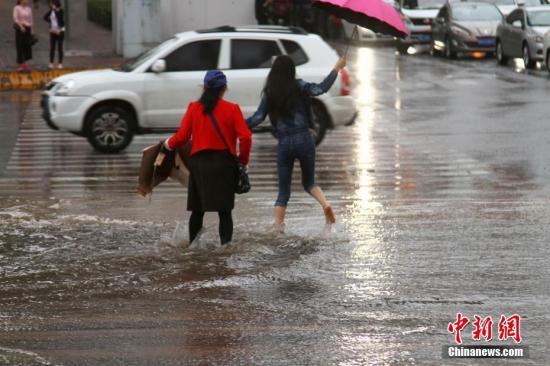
x=197 y=127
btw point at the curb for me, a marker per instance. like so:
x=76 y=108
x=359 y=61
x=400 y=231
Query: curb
x=30 y=80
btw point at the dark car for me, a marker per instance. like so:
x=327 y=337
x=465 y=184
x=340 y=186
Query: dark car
x=465 y=27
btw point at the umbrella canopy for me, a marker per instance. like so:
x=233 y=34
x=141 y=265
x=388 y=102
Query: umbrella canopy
x=376 y=15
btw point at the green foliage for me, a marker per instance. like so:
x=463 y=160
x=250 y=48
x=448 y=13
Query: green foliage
x=100 y=12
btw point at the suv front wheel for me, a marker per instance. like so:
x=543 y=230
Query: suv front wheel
x=109 y=128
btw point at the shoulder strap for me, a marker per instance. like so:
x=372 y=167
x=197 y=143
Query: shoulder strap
x=218 y=130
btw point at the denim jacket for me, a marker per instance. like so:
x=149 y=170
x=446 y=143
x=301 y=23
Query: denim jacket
x=301 y=118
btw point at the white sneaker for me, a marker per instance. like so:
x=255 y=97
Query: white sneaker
x=60 y=66
x=50 y=66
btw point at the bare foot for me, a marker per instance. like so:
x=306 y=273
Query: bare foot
x=329 y=215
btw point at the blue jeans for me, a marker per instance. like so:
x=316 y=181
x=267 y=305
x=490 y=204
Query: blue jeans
x=299 y=146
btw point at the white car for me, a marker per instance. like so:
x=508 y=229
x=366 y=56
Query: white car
x=152 y=92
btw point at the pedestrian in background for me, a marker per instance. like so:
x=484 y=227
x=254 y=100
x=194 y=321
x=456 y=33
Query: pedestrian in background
x=287 y=102
x=260 y=11
x=213 y=125
x=23 y=25
x=299 y=12
x=280 y=11
x=56 y=18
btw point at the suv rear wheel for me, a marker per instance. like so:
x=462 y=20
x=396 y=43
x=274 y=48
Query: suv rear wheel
x=110 y=128
x=321 y=122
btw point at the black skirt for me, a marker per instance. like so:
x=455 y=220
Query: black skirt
x=212 y=181
x=23 y=45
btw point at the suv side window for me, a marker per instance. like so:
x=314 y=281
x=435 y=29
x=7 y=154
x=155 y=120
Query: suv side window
x=194 y=56
x=253 y=54
x=295 y=52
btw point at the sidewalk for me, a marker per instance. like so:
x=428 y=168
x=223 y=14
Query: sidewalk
x=87 y=46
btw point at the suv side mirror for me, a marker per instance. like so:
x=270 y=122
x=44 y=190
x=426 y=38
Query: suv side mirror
x=517 y=24
x=159 y=66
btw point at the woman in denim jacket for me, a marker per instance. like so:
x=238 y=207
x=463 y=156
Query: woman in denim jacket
x=287 y=102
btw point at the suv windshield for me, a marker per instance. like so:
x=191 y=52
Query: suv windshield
x=423 y=4
x=476 y=12
x=134 y=63
x=538 y=18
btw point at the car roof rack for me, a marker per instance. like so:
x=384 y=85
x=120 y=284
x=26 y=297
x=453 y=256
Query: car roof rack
x=255 y=29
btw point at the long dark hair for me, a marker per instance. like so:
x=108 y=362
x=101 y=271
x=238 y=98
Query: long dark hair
x=210 y=97
x=281 y=88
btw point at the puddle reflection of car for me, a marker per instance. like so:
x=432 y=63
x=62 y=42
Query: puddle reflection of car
x=521 y=34
x=418 y=16
x=150 y=94
x=465 y=27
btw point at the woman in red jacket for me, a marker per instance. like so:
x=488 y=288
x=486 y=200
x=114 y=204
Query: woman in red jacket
x=212 y=168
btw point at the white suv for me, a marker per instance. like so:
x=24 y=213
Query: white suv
x=152 y=92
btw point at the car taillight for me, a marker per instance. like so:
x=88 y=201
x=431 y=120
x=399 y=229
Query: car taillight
x=346 y=83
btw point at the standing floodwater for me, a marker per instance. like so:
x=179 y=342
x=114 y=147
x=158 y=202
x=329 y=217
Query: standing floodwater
x=442 y=207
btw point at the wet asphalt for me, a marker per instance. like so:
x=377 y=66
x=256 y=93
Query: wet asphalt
x=441 y=191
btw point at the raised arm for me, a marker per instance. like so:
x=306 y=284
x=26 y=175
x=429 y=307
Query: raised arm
x=259 y=116
x=324 y=86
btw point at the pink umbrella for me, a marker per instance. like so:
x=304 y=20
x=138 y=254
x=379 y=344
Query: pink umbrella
x=376 y=15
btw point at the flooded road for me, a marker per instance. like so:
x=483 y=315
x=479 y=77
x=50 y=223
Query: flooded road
x=441 y=190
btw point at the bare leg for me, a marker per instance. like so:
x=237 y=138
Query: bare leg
x=280 y=212
x=318 y=194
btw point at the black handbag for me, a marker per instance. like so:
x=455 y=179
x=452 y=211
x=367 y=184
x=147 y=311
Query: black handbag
x=243 y=181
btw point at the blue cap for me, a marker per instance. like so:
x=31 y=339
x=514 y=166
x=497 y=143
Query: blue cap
x=215 y=79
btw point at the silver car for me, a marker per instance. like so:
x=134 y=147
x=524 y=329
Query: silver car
x=521 y=34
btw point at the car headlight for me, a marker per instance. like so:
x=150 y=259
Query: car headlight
x=539 y=39
x=64 y=88
x=460 y=32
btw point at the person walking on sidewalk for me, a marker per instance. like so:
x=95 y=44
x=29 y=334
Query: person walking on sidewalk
x=23 y=25
x=56 y=18
x=287 y=102
x=213 y=125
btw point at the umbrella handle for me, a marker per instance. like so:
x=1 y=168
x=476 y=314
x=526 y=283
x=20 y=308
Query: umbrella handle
x=351 y=40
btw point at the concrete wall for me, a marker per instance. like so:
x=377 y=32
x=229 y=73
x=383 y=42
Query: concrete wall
x=137 y=25
x=183 y=15
x=140 y=24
